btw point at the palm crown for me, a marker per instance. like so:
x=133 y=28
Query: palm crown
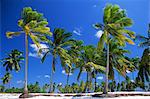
x=34 y=25
x=12 y=62
x=115 y=22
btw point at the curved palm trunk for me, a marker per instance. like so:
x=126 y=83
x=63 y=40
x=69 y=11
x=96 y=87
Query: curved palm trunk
x=51 y=76
x=107 y=70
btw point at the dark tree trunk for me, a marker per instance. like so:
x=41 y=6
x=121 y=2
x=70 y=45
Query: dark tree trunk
x=87 y=78
x=107 y=68
x=95 y=84
x=51 y=76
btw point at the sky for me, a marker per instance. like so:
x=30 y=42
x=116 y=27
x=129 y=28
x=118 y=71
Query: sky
x=76 y=16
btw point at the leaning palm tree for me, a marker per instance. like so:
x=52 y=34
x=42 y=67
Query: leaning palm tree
x=114 y=25
x=58 y=48
x=33 y=25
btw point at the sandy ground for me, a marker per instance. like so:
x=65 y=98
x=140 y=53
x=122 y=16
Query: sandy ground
x=15 y=96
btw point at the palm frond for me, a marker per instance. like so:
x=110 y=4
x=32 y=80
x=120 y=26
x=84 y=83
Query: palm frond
x=11 y=34
x=101 y=41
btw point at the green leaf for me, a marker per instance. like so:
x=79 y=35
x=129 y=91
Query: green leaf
x=97 y=67
x=102 y=40
x=43 y=58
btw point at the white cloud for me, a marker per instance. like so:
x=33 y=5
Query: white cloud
x=77 y=31
x=132 y=81
x=99 y=34
x=100 y=77
x=127 y=71
x=36 y=49
x=20 y=82
x=35 y=55
x=64 y=72
x=46 y=76
x=60 y=83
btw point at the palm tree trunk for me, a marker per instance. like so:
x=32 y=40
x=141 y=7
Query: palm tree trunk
x=51 y=76
x=107 y=68
x=26 y=64
x=95 y=84
x=87 y=77
x=67 y=78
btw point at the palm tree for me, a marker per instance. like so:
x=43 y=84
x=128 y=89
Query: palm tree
x=117 y=60
x=144 y=66
x=2 y=88
x=58 y=47
x=114 y=25
x=74 y=52
x=45 y=87
x=12 y=62
x=34 y=25
x=89 y=61
x=7 y=77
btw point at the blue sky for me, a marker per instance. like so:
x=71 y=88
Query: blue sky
x=76 y=16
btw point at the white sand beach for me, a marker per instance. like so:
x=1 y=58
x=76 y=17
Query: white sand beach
x=15 y=96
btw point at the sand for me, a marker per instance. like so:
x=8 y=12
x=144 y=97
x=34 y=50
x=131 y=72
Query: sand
x=15 y=96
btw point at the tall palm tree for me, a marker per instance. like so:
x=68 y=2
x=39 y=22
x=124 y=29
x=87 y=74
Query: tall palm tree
x=33 y=25
x=114 y=25
x=89 y=61
x=58 y=47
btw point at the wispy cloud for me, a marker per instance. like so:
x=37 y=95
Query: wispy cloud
x=36 y=49
x=20 y=82
x=46 y=76
x=39 y=76
x=100 y=78
x=35 y=55
x=99 y=34
x=64 y=72
x=77 y=31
